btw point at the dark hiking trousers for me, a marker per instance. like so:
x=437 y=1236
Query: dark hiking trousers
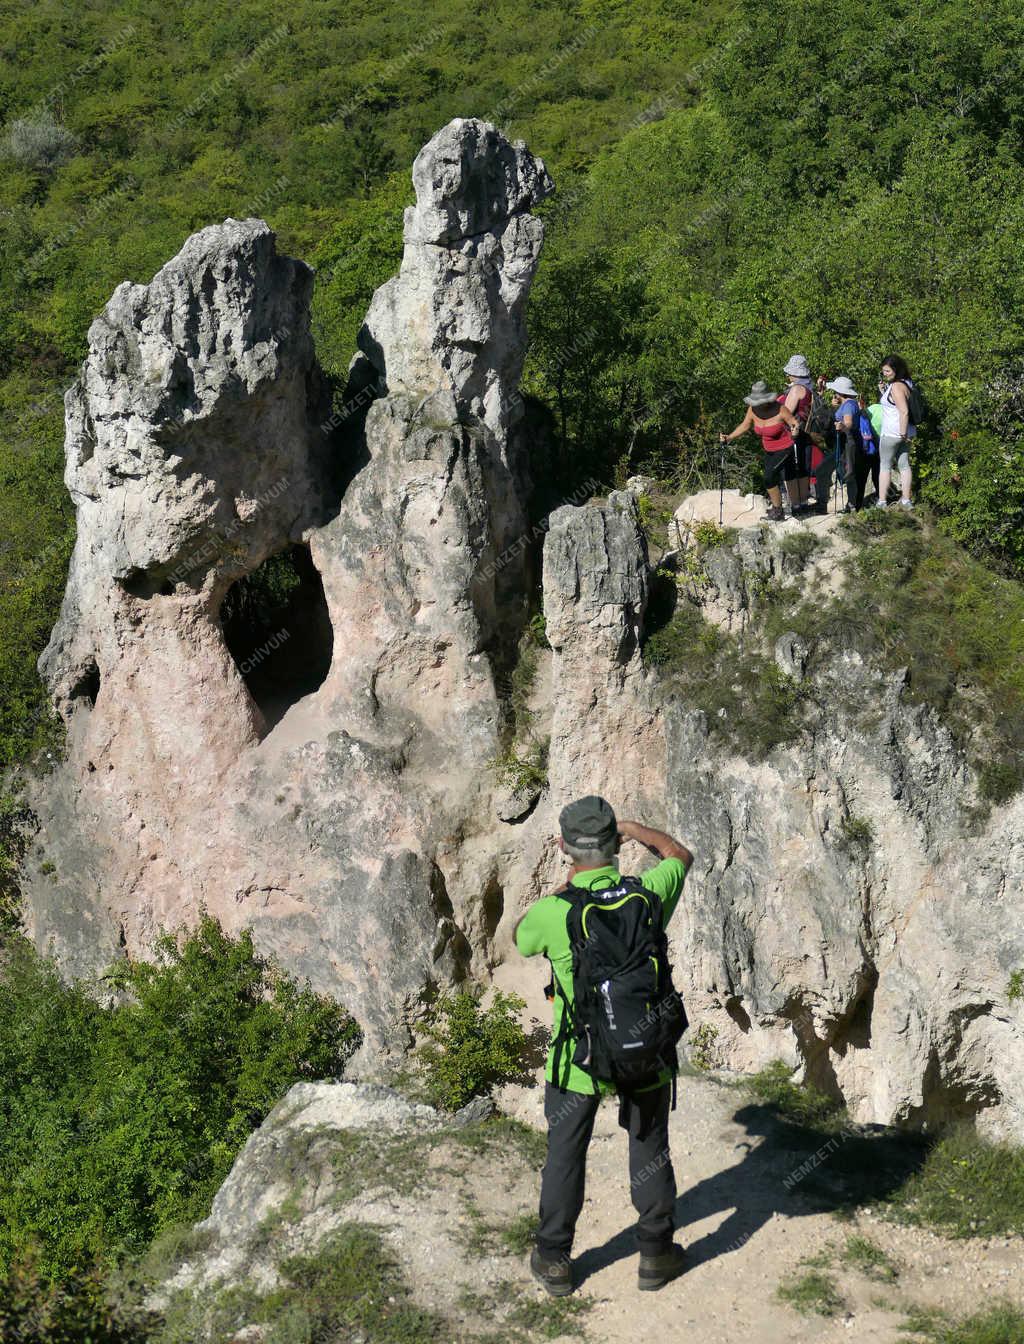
x=570 y=1117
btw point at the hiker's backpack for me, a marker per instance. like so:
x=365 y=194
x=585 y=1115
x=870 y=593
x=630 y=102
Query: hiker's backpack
x=867 y=434
x=626 y=1017
x=819 y=417
x=916 y=407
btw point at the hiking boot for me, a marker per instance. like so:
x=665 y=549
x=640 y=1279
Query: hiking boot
x=775 y=515
x=554 y=1275
x=657 y=1270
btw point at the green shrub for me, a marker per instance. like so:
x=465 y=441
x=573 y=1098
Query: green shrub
x=1015 y=986
x=702 y=1046
x=79 y=1310
x=38 y=142
x=123 y=1120
x=17 y=826
x=857 y=832
x=470 y=1049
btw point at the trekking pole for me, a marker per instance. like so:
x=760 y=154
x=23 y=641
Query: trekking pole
x=721 y=483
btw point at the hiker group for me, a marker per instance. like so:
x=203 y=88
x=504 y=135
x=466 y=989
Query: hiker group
x=807 y=443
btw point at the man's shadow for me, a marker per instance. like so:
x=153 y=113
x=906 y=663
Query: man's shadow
x=796 y=1170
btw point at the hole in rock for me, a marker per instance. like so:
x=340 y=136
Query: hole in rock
x=278 y=630
x=87 y=687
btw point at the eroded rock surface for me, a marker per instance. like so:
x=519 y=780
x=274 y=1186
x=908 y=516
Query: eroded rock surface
x=312 y=808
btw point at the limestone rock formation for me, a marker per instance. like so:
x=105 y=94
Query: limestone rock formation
x=303 y=771
x=453 y=318
x=284 y=658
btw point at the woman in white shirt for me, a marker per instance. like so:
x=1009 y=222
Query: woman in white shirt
x=897 y=431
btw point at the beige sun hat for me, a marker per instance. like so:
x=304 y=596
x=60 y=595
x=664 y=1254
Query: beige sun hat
x=843 y=387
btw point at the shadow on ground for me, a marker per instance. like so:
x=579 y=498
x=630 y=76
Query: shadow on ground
x=788 y=1169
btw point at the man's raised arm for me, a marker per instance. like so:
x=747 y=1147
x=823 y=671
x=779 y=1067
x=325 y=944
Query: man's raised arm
x=658 y=842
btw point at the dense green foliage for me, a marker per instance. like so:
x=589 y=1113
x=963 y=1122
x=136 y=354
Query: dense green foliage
x=734 y=182
x=116 y=1121
x=469 y=1049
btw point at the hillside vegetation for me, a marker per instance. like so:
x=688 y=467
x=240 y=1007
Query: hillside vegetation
x=735 y=182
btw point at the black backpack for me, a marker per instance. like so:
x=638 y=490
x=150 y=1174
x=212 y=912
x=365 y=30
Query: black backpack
x=916 y=408
x=626 y=1017
x=819 y=417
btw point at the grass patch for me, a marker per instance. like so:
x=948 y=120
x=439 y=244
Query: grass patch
x=967 y=1187
x=521 y=1317
x=501 y=1133
x=748 y=700
x=812 y=1294
x=350 y=1288
x=801 y=1104
x=862 y=1254
x=999 y=1324
x=482 y=1238
x=171 y=1249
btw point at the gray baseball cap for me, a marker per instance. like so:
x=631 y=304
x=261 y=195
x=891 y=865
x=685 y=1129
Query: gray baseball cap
x=588 y=823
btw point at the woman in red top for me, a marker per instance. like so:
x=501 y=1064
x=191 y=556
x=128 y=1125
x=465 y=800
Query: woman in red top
x=776 y=427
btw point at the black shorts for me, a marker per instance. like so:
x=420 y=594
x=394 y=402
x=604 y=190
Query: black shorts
x=779 y=467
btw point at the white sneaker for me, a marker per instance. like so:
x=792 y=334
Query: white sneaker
x=881 y=504
x=906 y=503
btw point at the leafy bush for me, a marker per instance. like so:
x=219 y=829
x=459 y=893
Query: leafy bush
x=17 y=825
x=121 y=1120
x=470 y=1050
x=78 y=1310
x=38 y=142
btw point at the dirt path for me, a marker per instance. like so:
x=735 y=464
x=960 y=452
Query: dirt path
x=747 y=1232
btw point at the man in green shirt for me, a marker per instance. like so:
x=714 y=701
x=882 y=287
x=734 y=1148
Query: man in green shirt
x=591 y=837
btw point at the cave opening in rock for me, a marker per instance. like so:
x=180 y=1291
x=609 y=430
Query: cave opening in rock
x=278 y=630
x=87 y=686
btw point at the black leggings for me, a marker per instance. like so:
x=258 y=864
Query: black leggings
x=779 y=467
